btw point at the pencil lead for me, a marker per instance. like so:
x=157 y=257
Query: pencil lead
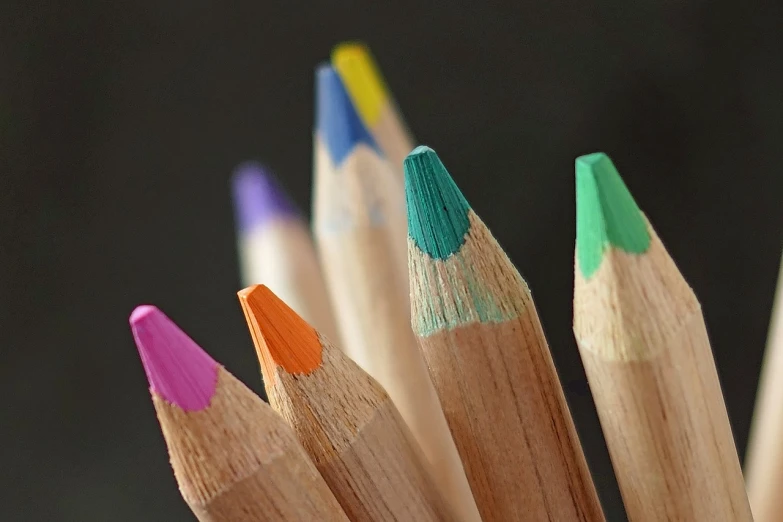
x=258 y=197
x=178 y=370
x=337 y=121
x=282 y=338
x=606 y=213
x=362 y=78
x=437 y=210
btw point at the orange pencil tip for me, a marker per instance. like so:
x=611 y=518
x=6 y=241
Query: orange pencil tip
x=282 y=338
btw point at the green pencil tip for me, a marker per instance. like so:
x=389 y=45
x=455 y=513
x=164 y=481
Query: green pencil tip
x=437 y=210
x=606 y=213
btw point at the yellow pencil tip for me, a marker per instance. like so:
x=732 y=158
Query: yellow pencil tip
x=362 y=78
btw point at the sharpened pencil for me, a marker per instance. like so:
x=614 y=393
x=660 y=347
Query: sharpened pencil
x=360 y=228
x=355 y=186
x=275 y=246
x=344 y=419
x=648 y=360
x=764 y=463
x=234 y=459
x=481 y=337
x=372 y=98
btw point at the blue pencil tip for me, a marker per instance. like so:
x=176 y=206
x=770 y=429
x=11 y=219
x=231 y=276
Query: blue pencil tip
x=337 y=121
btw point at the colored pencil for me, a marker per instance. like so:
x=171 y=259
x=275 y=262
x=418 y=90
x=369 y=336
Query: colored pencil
x=372 y=98
x=275 y=246
x=360 y=228
x=354 y=184
x=644 y=344
x=234 y=459
x=483 y=342
x=764 y=463
x=342 y=416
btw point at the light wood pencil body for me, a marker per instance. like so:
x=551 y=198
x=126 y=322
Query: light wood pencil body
x=281 y=254
x=368 y=456
x=360 y=226
x=392 y=135
x=644 y=345
x=237 y=461
x=498 y=386
x=764 y=463
x=359 y=220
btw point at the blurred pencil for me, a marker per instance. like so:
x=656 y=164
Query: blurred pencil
x=275 y=246
x=343 y=417
x=764 y=463
x=483 y=342
x=360 y=227
x=645 y=348
x=373 y=100
x=355 y=186
x=234 y=459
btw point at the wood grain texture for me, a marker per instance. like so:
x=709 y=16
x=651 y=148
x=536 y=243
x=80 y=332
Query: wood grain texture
x=360 y=226
x=644 y=345
x=358 y=441
x=498 y=385
x=764 y=463
x=238 y=461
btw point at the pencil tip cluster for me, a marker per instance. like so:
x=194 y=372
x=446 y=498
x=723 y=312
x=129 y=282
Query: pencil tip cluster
x=178 y=370
x=437 y=210
x=606 y=213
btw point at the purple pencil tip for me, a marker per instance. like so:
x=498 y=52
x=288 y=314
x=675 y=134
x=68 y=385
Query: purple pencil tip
x=178 y=370
x=259 y=198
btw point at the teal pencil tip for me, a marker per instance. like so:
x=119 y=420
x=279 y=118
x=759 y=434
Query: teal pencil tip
x=422 y=149
x=606 y=213
x=437 y=210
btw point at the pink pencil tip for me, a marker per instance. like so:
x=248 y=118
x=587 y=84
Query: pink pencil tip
x=141 y=311
x=177 y=369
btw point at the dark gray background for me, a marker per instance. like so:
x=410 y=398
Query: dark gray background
x=120 y=125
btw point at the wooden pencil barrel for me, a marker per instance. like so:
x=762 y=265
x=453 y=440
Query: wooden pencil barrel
x=648 y=360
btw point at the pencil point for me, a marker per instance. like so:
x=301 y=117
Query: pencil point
x=362 y=78
x=258 y=197
x=606 y=213
x=337 y=121
x=177 y=369
x=437 y=210
x=282 y=338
